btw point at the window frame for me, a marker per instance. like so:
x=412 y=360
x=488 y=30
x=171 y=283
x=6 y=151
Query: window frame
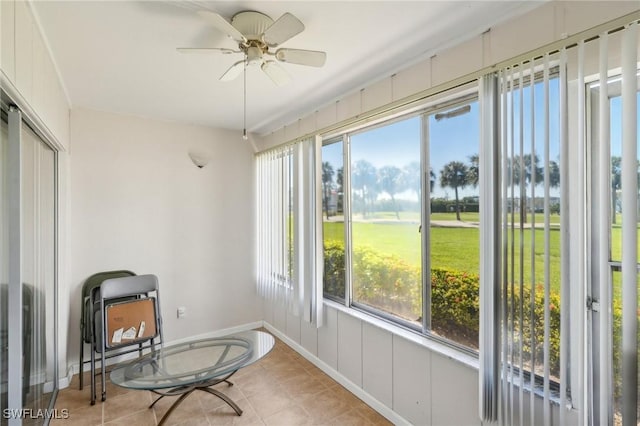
x=446 y=101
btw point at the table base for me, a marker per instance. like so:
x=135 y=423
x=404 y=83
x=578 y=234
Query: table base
x=185 y=391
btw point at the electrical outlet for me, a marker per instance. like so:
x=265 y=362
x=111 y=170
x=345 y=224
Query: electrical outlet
x=182 y=311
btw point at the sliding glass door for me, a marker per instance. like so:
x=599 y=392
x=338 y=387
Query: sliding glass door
x=607 y=333
x=38 y=246
x=27 y=273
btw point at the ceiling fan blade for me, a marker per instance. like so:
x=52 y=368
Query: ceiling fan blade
x=233 y=71
x=276 y=73
x=282 y=30
x=312 y=58
x=207 y=50
x=222 y=25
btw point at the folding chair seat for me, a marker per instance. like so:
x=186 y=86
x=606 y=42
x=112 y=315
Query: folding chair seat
x=127 y=314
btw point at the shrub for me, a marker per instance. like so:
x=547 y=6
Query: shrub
x=334 y=268
x=387 y=282
x=390 y=284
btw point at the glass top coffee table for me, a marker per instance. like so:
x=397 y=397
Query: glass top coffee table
x=184 y=368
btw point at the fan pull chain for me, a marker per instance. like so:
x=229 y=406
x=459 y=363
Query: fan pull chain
x=244 y=130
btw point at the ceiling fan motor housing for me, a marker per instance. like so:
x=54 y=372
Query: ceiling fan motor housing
x=251 y=24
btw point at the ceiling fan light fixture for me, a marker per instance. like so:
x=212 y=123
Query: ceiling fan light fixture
x=276 y=73
x=254 y=55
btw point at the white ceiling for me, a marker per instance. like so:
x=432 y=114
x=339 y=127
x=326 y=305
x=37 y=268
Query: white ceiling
x=120 y=56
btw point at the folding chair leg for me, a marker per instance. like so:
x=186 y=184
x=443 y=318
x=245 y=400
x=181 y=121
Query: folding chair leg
x=103 y=354
x=93 y=376
x=104 y=376
x=81 y=357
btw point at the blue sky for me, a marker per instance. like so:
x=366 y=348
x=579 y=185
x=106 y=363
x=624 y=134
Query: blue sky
x=457 y=138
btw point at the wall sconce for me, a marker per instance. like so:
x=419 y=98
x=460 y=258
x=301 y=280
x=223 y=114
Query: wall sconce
x=199 y=159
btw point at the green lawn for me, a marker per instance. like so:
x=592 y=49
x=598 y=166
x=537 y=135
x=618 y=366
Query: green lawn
x=454 y=248
x=458 y=248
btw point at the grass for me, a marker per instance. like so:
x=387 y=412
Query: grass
x=454 y=248
x=458 y=248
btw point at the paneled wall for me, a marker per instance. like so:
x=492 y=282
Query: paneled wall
x=552 y=21
x=29 y=68
x=405 y=377
x=394 y=373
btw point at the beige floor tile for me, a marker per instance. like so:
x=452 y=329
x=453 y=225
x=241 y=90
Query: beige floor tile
x=281 y=389
x=294 y=415
x=123 y=405
x=270 y=402
x=350 y=418
x=225 y=415
x=189 y=408
x=325 y=406
x=371 y=415
x=85 y=416
x=299 y=388
x=143 y=417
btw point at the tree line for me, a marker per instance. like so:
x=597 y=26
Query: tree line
x=367 y=181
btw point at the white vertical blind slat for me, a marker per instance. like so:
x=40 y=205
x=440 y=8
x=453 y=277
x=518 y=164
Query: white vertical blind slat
x=629 y=226
x=534 y=182
x=565 y=214
x=577 y=313
x=547 y=247
x=505 y=247
x=521 y=218
x=490 y=288
x=604 y=277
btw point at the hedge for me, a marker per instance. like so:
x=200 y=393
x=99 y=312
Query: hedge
x=389 y=283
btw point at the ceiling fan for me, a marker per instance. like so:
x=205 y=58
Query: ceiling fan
x=257 y=35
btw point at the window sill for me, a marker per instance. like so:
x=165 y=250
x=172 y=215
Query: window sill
x=433 y=345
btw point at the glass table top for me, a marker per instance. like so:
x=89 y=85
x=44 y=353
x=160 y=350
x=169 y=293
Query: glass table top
x=194 y=362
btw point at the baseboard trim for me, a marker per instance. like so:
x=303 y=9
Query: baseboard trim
x=65 y=381
x=381 y=408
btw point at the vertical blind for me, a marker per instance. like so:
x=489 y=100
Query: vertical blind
x=289 y=248
x=543 y=321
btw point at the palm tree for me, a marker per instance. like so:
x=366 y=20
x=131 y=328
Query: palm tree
x=340 y=182
x=412 y=178
x=530 y=170
x=390 y=179
x=455 y=175
x=327 y=185
x=554 y=174
x=474 y=170
x=616 y=184
x=364 y=179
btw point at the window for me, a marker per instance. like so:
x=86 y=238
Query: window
x=400 y=220
x=333 y=219
x=385 y=220
x=453 y=234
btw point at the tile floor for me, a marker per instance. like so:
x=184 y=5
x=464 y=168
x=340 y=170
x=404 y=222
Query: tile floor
x=281 y=389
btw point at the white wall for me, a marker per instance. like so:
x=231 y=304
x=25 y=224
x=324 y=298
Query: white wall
x=139 y=203
x=402 y=376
